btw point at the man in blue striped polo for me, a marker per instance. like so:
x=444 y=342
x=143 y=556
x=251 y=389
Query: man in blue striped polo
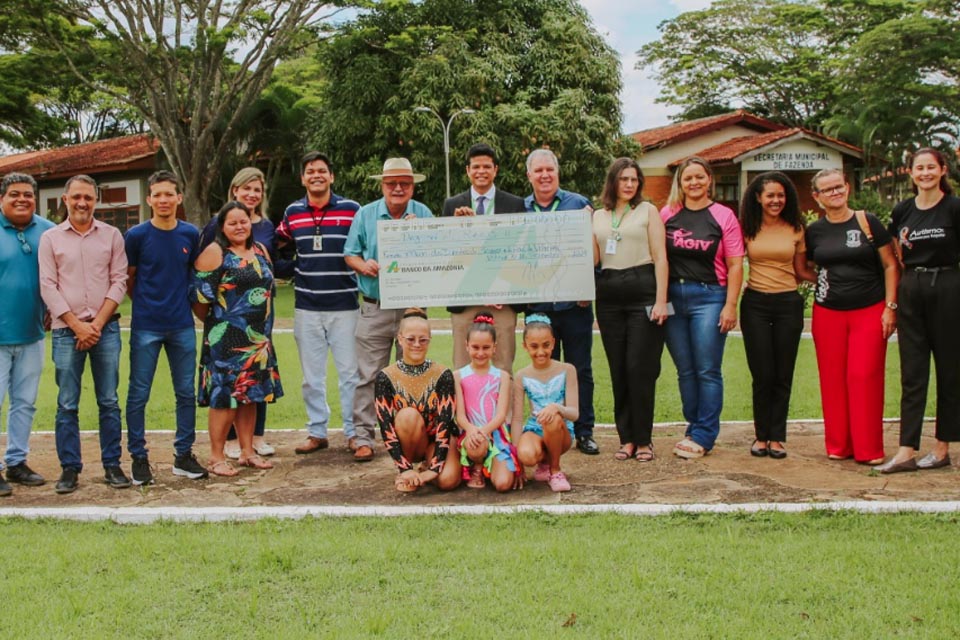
x=325 y=297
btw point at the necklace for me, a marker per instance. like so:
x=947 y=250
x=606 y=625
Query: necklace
x=413 y=369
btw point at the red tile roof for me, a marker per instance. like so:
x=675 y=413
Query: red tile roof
x=673 y=133
x=103 y=156
x=732 y=149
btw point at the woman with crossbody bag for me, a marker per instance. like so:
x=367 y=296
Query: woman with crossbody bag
x=854 y=313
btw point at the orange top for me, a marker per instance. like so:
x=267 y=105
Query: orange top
x=770 y=255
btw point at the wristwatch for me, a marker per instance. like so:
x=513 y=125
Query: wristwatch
x=893 y=306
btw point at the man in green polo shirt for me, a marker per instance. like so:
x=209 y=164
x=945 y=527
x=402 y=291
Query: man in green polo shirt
x=22 y=325
x=377 y=328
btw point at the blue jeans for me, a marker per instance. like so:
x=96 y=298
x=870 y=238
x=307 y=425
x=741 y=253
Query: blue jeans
x=316 y=332
x=181 y=348
x=696 y=345
x=20 y=368
x=105 y=366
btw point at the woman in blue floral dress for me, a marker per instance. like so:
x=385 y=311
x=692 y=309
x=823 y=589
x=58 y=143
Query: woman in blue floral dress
x=234 y=292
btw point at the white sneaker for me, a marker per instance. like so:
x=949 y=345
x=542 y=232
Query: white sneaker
x=264 y=449
x=232 y=449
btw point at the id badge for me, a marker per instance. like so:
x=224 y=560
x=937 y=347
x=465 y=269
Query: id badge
x=318 y=243
x=611 y=246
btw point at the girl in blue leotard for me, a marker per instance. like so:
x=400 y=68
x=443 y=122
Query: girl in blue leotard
x=550 y=388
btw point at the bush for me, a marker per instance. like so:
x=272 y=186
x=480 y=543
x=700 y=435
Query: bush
x=870 y=200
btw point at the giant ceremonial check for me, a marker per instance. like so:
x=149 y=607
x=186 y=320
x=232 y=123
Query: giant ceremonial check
x=508 y=258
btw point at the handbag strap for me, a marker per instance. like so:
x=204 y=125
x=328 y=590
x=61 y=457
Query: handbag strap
x=861 y=216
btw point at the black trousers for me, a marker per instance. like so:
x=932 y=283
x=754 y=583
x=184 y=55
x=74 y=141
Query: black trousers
x=633 y=345
x=573 y=329
x=771 y=324
x=928 y=322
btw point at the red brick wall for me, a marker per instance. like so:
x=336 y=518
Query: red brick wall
x=801 y=179
x=657 y=189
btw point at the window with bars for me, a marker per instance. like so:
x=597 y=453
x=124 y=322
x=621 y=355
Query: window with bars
x=727 y=188
x=121 y=217
x=113 y=195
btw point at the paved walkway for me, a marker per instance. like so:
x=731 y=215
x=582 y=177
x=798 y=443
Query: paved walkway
x=330 y=482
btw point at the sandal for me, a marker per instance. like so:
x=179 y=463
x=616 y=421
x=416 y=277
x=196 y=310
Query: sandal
x=221 y=468
x=255 y=462
x=645 y=455
x=477 y=481
x=625 y=452
x=688 y=449
x=403 y=486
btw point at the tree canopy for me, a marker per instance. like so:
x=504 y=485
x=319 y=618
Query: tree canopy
x=882 y=74
x=535 y=72
x=44 y=103
x=912 y=99
x=191 y=70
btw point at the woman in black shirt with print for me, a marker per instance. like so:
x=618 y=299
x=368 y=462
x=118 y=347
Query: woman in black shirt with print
x=927 y=232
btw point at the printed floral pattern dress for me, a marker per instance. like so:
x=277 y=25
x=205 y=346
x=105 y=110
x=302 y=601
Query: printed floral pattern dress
x=238 y=364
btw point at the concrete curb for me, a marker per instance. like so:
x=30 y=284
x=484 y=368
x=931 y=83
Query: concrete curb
x=152 y=515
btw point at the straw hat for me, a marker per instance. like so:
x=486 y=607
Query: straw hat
x=398 y=167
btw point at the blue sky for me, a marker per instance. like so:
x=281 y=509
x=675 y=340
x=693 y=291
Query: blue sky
x=627 y=25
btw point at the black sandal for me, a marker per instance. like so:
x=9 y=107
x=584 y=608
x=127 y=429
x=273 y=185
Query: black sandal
x=624 y=453
x=644 y=455
x=758 y=451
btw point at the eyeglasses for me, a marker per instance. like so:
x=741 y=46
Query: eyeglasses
x=416 y=342
x=832 y=190
x=24 y=245
x=394 y=184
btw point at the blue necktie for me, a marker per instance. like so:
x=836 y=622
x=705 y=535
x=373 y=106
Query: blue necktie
x=480 y=207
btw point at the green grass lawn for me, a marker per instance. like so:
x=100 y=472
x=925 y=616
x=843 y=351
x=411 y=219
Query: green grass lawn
x=289 y=411
x=812 y=575
x=815 y=575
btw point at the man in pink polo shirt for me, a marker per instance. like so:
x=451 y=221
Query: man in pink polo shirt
x=83 y=277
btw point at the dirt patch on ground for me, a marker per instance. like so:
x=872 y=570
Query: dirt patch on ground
x=331 y=477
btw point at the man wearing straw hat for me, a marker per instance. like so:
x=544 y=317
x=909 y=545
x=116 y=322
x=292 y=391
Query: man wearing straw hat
x=377 y=328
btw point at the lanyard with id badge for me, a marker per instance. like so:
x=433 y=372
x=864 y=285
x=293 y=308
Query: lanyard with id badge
x=317 y=234
x=614 y=238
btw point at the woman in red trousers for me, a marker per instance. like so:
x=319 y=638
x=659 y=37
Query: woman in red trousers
x=854 y=312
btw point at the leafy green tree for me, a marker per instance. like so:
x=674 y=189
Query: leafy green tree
x=882 y=74
x=775 y=58
x=535 y=72
x=191 y=70
x=900 y=88
x=23 y=123
x=278 y=124
x=767 y=56
x=41 y=105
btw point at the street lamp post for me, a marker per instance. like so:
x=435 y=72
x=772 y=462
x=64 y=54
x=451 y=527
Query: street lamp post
x=445 y=126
